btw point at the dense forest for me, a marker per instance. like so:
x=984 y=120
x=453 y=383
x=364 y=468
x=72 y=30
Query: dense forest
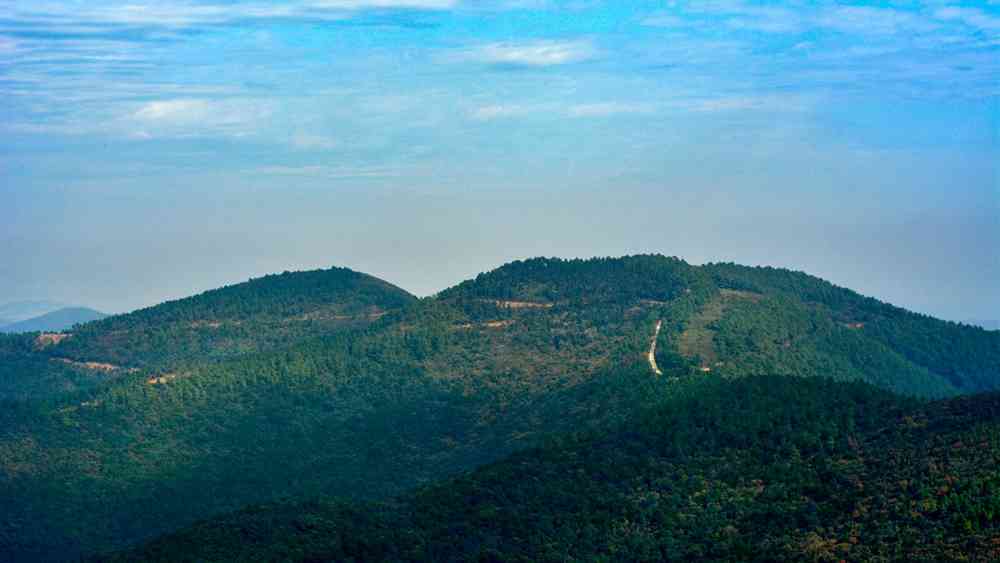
x=333 y=384
x=762 y=468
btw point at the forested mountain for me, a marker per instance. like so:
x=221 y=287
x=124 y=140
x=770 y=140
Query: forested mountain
x=268 y=313
x=263 y=313
x=760 y=468
x=333 y=383
x=55 y=321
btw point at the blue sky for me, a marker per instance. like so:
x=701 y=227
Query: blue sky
x=152 y=149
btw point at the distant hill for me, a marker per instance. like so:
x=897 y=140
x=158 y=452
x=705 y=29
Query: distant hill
x=336 y=383
x=55 y=321
x=22 y=310
x=988 y=325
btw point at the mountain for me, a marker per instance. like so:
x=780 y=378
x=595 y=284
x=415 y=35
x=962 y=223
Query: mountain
x=761 y=468
x=55 y=321
x=260 y=314
x=334 y=383
x=267 y=313
x=22 y=310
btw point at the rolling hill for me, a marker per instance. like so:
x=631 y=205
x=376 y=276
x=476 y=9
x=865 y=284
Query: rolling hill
x=55 y=321
x=336 y=384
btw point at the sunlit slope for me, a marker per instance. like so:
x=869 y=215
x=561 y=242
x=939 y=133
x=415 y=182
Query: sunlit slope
x=263 y=313
x=273 y=312
x=780 y=320
x=763 y=468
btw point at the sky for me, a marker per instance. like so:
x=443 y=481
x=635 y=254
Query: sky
x=151 y=150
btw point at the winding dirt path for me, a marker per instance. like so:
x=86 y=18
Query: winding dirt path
x=652 y=350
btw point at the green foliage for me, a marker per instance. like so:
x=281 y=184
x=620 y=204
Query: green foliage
x=762 y=468
x=25 y=374
x=967 y=357
x=262 y=314
x=551 y=280
x=334 y=383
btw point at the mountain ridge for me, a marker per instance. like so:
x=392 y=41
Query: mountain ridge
x=418 y=391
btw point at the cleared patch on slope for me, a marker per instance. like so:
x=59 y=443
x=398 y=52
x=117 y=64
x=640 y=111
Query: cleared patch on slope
x=698 y=338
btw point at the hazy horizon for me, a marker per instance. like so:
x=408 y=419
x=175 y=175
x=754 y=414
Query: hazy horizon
x=153 y=151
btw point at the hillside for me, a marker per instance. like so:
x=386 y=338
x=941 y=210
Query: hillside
x=260 y=314
x=763 y=468
x=55 y=321
x=255 y=392
x=267 y=313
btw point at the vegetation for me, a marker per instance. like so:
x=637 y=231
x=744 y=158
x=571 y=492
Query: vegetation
x=335 y=384
x=263 y=314
x=762 y=468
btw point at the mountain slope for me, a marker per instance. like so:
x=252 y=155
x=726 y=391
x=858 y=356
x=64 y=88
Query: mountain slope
x=55 y=321
x=762 y=468
x=333 y=383
x=263 y=313
x=967 y=358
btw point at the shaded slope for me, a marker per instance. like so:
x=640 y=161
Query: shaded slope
x=764 y=468
x=366 y=414
x=25 y=374
x=425 y=392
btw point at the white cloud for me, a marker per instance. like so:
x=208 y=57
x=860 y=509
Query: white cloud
x=487 y=113
x=598 y=109
x=608 y=109
x=535 y=53
x=197 y=118
x=327 y=172
x=188 y=14
x=308 y=141
x=173 y=111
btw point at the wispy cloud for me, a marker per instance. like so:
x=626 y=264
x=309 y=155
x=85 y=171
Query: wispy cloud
x=196 y=118
x=541 y=53
x=972 y=17
x=312 y=141
x=866 y=20
x=496 y=111
x=327 y=172
x=734 y=14
x=606 y=109
x=189 y=14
